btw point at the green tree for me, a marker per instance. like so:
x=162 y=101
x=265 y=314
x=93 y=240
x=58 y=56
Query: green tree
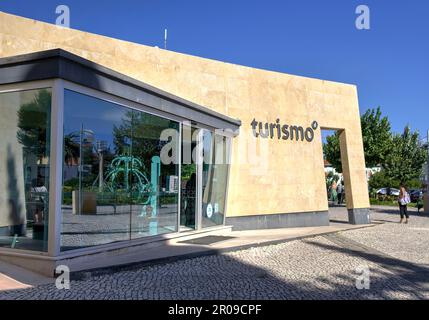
x=404 y=161
x=331 y=151
x=188 y=170
x=381 y=180
x=139 y=134
x=33 y=122
x=376 y=136
x=71 y=148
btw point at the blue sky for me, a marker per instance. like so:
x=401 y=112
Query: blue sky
x=389 y=63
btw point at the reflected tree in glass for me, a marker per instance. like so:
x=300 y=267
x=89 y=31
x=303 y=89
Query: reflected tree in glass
x=33 y=125
x=25 y=127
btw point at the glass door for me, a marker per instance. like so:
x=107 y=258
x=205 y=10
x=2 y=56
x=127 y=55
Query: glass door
x=215 y=151
x=204 y=177
x=189 y=173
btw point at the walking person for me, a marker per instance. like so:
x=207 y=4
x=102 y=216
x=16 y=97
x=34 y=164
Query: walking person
x=340 y=190
x=404 y=200
x=39 y=194
x=334 y=191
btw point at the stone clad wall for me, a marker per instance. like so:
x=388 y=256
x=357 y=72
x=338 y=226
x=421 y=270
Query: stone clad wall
x=291 y=177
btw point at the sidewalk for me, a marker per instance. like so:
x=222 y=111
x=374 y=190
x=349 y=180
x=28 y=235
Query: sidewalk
x=200 y=245
x=14 y=277
x=188 y=246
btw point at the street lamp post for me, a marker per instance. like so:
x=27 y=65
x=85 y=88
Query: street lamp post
x=80 y=170
x=426 y=195
x=101 y=148
x=426 y=178
x=81 y=140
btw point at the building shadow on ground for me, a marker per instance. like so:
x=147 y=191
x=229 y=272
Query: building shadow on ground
x=224 y=277
x=394 y=211
x=414 y=273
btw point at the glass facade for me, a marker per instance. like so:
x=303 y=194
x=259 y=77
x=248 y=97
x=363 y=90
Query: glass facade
x=25 y=125
x=214 y=178
x=123 y=170
x=188 y=193
x=115 y=186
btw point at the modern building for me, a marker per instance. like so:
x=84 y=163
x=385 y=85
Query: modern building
x=107 y=144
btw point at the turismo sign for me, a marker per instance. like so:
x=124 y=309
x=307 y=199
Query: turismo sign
x=283 y=131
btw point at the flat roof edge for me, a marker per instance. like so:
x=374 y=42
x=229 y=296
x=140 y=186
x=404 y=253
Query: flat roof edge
x=34 y=57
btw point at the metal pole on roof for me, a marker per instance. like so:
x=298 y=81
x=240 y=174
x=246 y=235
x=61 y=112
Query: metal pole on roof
x=165 y=38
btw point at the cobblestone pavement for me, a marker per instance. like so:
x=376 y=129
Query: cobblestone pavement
x=322 y=267
x=409 y=242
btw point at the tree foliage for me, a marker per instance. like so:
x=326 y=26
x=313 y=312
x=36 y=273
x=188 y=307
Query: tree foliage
x=33 y=124
x=405 y=159
x=376 y=136
x=401 y=156
x=381 y=180
x=138 y=134
x=331 y=151
x=71 y=148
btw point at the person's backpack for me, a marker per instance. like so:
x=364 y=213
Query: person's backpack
x=406 y=199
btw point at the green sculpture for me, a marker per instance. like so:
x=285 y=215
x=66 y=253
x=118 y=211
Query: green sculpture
x=155 y=173
x=120 y=172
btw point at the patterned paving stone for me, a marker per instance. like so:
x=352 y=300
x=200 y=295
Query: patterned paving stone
x=323 y=267
x=409 y=242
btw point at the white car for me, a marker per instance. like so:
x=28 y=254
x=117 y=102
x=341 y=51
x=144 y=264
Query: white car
x=392 y=192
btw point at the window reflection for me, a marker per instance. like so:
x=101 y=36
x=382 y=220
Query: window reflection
x=115 y=187
x=24 y=164
x=214 y=178
x=188 y=196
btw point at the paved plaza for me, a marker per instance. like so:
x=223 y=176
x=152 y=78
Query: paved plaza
x=321 y=267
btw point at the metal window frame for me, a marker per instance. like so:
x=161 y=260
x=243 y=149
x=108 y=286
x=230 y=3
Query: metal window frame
x=229 y=141
x=37 y=85
x=56 y=170
x=199 y=193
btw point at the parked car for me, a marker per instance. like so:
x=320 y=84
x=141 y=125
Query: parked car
x=416 y=195
x=388 y=192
